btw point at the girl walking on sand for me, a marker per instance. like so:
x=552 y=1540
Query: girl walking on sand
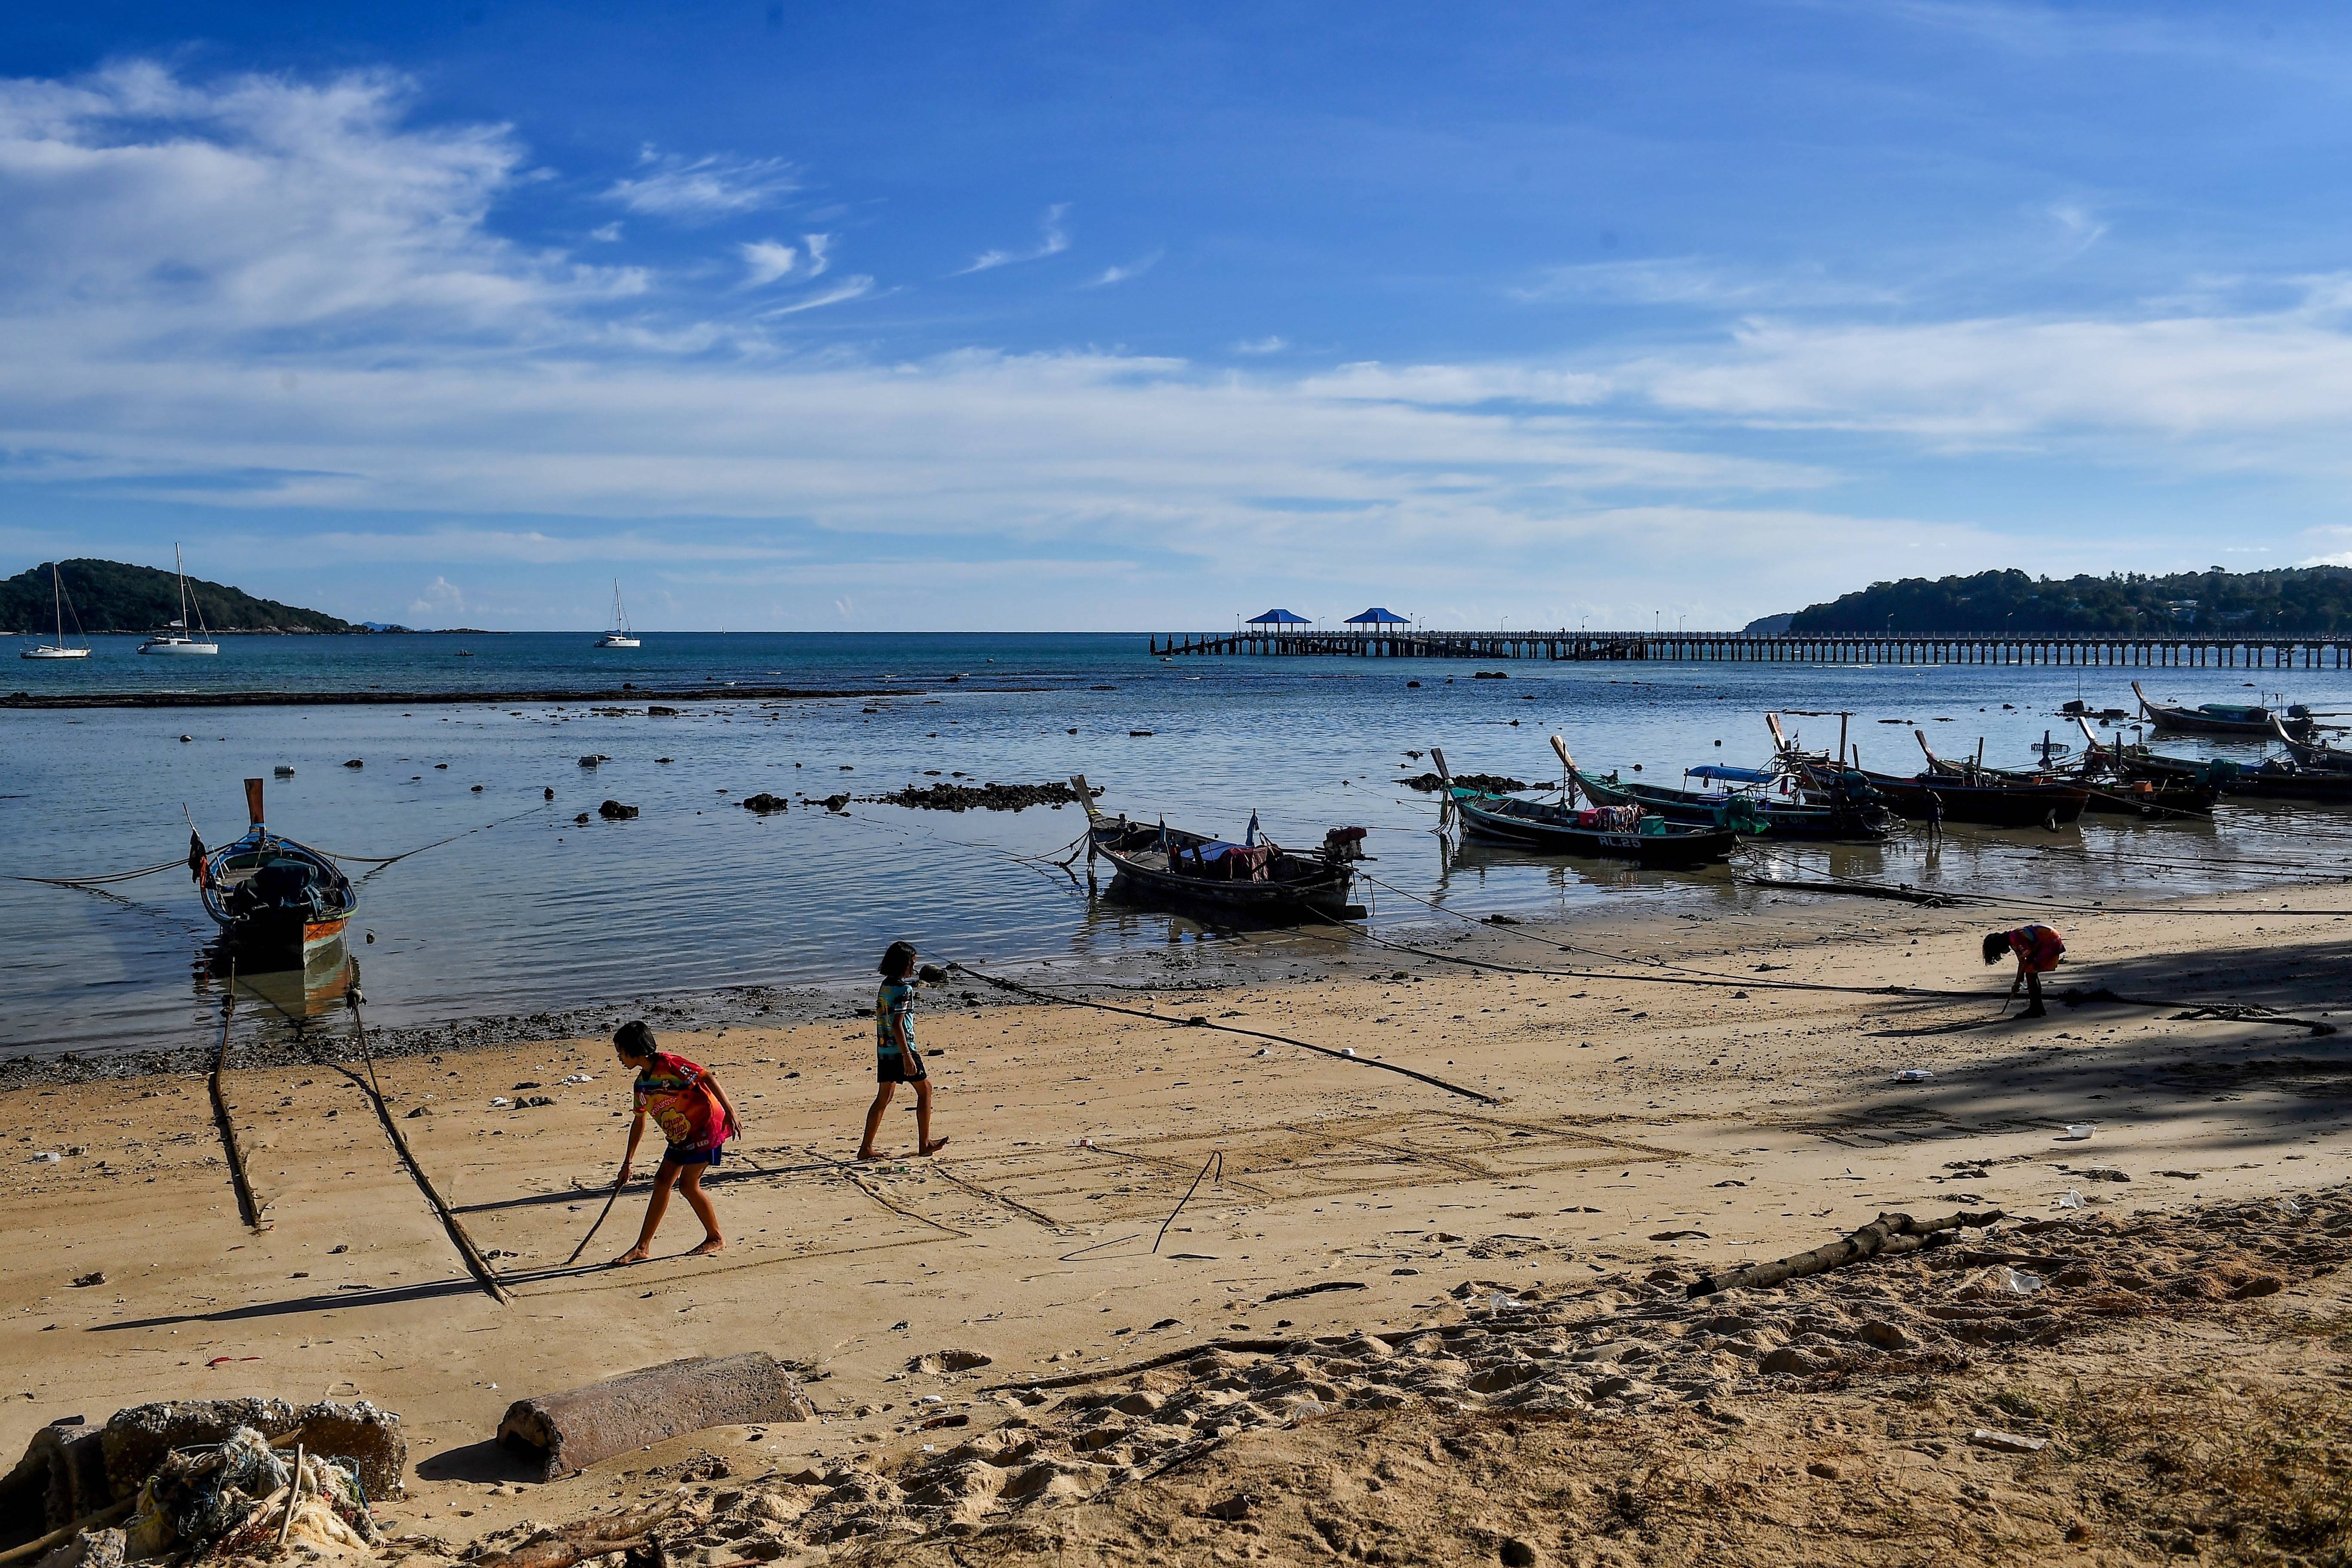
x=895 y=1061
x=696 y=1118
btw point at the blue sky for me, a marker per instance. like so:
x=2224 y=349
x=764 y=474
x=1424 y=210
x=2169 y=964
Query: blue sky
x=1113 y=316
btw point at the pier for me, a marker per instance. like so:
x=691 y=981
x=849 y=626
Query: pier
x=1700 y=648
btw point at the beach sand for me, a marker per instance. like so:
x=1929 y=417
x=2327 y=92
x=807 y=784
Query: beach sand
x=1644 y=1131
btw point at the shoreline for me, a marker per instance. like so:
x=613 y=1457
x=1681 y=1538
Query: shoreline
x=1645 y=1132
x=29 y=702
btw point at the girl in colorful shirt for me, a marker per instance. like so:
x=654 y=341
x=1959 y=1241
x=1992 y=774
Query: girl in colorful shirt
x=2037 y=949
x=895 y=1061
x=695 y=1117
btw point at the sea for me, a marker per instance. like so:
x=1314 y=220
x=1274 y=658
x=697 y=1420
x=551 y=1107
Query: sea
x=510 y=906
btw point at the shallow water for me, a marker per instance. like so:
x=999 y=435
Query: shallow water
x=539 y=913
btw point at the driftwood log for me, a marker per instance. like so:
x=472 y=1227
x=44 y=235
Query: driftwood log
x=573 y=1429
x=1888 y=1234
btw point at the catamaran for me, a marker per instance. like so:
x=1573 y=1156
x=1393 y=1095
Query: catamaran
x=174 y=638
x=620 y=636
x=61 y=648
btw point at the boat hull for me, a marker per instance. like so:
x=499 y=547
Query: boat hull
x=1296 y=886
x=2035 y=804
x=1783 y=821
x=54 y=653
x=1550 y=827
x=178 y=650
x=276 y=900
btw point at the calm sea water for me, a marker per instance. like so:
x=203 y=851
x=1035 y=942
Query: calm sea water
x=539 y=913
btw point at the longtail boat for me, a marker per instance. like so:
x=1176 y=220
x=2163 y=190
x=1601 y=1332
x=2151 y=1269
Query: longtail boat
x=274 y=900
x=2313 y=754
x=2118 y=788
x=2249 y=721
x=1965 y=792
x=1255 y=880
x=1845 y=814
x=1612 y=832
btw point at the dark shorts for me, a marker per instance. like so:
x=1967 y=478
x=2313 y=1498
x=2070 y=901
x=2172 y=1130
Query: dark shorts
x=899 y=1070
x=674 y=1156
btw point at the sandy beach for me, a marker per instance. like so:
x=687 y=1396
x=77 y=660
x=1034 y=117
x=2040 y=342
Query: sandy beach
x=1675 y=1108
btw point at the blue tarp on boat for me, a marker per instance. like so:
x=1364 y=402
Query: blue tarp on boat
x=1730 y=776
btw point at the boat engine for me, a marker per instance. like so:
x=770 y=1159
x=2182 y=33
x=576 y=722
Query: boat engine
x=1344 y=843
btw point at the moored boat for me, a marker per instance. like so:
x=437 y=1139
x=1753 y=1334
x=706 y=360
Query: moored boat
x=59 y=648
x=2250 y=722
x=273 y=898
x=2314 y=754
x=1255 y=880
x=177 y=638
x=1845 y=813
x=1612 y=832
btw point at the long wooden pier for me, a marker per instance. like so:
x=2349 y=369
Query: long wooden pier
x=2218 y=652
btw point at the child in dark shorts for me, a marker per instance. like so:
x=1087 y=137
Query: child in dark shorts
x=695 y=1117
x=895 y=1061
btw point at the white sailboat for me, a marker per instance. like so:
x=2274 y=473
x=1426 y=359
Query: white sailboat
x=61 y=648
x=175 y=639
x=620 y=636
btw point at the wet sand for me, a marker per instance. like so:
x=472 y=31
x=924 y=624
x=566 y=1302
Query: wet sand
x=1640 y=1127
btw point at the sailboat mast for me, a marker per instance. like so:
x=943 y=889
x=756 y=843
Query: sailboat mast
x=57 y=597
x=180 y=570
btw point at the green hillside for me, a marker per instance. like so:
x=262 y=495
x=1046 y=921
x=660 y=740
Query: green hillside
x=2300 y=601
x=113 y=597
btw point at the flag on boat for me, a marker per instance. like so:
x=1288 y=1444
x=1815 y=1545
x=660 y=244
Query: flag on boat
x=1250 y=842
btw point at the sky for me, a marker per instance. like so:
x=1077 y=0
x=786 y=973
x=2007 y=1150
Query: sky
x=1095 y=316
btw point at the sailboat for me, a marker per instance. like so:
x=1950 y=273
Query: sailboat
x=175 y=639
x=619 y=636
x=61 y=648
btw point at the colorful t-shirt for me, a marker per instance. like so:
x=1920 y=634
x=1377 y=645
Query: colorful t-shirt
x=2037 y=945
x=674 y=1093
x=895 y=1000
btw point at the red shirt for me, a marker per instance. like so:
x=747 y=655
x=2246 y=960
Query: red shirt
x=673 y=1091
x=2038 y=946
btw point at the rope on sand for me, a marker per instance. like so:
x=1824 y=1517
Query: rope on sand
x=475 y=1261
x=1199 y=1023
x=248 y=1202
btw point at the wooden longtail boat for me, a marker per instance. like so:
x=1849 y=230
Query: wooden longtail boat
x=2119 y=789
x=2273 y=780
x=274 y=900
x=1847 y=817
x=2314 y=754
x=1967 y=791
x=2251 y=722
x=1540 y=824
x=1262 y=883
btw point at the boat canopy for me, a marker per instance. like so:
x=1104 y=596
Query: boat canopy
x=1731 y=776
x=1278 y=618
x=1376 y=616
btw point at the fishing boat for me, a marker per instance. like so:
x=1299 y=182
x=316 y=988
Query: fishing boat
x=175 y=639
x=2313 y=755
x=2118 y=787
x=1255 y=880
x=1840 y=813
x=1958 y=791
x=1611 y=832
x=2250 y=722
x=620 y=636
x=274 y=899
x=59 y=648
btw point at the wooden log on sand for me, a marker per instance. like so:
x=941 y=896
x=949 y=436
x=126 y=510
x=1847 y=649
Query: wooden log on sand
x=1888 y=1234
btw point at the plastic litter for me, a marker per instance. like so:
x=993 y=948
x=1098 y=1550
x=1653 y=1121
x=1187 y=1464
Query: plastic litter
x=2020 y=1282
x=1913 y=1075
x=581 y=1077
x=2079 y=1132
x=1347 y=1050
x=499 y=1101
x=1499 y=1303
x=47 y=1157
x=2071 y=1199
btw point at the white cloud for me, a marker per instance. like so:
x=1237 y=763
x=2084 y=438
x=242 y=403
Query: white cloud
x=1052 y=241
x=1121 y=274
x=852 y=288
x=1269 y=344
x=820 y=252
x=701 y=190
x=1699 y=282
x=764 y=261
x=605 y=234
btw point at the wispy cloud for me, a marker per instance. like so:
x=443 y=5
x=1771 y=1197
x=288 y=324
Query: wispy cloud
x=702 y=190
x=1694 y=280
x=764 y=261
x=1121 y=274
x=852 y=288
x=1052 y=241
x=1269 y=344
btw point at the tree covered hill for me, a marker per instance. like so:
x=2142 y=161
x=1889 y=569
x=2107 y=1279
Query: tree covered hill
x=2300 y=601
x=111 y=597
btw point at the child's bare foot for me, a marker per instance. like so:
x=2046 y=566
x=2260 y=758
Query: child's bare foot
x=935 y=1146
x=711 y=1243
x=864 y=1154
x=635 y=1255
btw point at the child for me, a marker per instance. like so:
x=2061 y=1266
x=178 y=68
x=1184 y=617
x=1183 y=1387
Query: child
x=696 y=1118
x=2038 y=950
x=895 y=1059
